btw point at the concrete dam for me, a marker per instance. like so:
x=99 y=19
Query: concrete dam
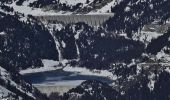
x=93 y=20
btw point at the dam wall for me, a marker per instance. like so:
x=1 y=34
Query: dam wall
x=91 y=20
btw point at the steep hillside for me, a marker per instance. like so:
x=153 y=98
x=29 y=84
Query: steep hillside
x=131 y=15
x=24 y=41
x=91 y=90
x=12 y=90
x=95 y=49
x=13 y=87
x=141 y=90
x=143 y=20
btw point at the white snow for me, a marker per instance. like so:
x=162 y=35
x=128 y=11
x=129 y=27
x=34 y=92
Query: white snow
x=151 y=81
x=25 y=9
x=167 y=69
x=85 y=71
x=51 y=28
x=61 y=83
x=74 y=2
x=4 y=93
x=78 y=34
x=107 y=8
x=63 y=44
x=2 y=33
x=146 y=36
x=163 y=56
x=4 y=75
x=48 y=65
x=127 y=9
x=27 y=2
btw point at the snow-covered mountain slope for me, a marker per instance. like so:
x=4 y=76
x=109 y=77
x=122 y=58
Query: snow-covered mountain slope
x=6 y=94
x=13 y=87
x=107 y=8
x=55 y=7
x=10 y=89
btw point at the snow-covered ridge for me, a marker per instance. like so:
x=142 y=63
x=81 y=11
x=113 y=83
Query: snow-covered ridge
x=30 y=11
x=107 y=8
x=27 y=10
x=5 y=94
x=6 y=77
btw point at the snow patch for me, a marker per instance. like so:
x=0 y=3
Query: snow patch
x=151 y=82
x=74 y=2
x=107 y=8
x=163 y=56
x=85 y=71
x=146 y=36
x=48 y=65
x=25 y=9
x=2 y=33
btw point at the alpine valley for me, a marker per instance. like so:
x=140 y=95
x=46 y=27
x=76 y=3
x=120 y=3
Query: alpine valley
x=84 y=49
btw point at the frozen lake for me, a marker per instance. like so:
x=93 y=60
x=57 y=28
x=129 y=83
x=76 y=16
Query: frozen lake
x=60 y=80
x=60 y=76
